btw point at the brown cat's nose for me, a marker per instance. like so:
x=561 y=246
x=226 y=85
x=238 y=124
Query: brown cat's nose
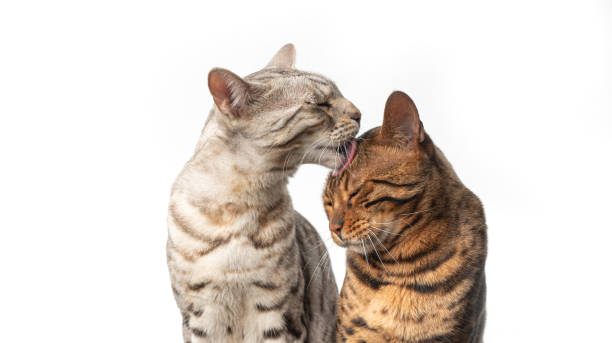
x=336 y=227
x=356 y=116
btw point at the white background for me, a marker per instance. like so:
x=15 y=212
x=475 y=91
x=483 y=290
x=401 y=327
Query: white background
x=101 y=103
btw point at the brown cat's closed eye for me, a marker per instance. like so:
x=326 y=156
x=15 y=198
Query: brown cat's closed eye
x=415 y=238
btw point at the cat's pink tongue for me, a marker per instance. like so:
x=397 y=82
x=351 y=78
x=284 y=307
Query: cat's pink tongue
x=350 y=155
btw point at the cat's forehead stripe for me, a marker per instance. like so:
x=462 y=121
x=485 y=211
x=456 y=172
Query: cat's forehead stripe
x=266 y=75
x=321 y=87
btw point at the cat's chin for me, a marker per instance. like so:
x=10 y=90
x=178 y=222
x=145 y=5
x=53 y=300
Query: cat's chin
x=349 y=150
x=338 y=241
x=337 y=158
x=355 y=245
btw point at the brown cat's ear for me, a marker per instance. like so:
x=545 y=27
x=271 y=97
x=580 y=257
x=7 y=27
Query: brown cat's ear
x=230 y=92
x=284 y=58
x=401 y=121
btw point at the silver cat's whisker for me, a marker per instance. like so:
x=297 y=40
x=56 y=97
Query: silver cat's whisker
x=336 y=157
x=323 y=151
x=285 y=163
x=309 y=149
x=306 y=151
x=345 y=157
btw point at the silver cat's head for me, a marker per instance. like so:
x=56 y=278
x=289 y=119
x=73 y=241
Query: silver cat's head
x=286 y=116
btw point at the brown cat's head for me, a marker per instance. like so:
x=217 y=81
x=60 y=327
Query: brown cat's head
x=390 y=185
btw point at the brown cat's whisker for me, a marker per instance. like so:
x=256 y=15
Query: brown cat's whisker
x=382 y=245
x=364 y=253
x=317 y=268
x=394 y=221
x=423 y=211
x=403 y=219
x=389 y=222
x=319 y=244
x=389 y=232
x=376 y=251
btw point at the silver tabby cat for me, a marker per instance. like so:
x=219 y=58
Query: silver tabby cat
x=242 y=261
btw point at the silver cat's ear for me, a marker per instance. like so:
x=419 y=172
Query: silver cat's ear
x=284 y=58
x=230 y=92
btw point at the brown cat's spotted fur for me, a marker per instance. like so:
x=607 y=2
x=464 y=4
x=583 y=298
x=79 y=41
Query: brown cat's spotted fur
x=415 y=237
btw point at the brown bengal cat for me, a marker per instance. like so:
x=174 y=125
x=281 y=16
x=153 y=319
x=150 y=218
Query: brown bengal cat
x=415 y=236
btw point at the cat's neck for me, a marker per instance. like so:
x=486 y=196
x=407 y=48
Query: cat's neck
x=226 y=165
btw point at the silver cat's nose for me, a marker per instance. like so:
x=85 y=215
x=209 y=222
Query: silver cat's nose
x=352 y=111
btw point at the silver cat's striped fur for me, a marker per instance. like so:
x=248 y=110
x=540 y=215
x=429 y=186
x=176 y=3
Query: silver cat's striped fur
x=242 y=262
